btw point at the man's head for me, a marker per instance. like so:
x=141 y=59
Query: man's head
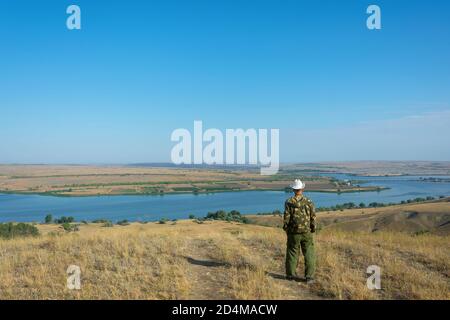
x=298 y=186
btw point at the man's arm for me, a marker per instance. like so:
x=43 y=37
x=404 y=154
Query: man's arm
x=286 y=215
x=312 y=216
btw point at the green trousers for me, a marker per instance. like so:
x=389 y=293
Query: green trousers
x=305 y=241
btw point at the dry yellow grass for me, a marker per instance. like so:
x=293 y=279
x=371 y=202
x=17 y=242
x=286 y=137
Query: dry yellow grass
x=218 y=260
x=412 y=267
x=429 y=216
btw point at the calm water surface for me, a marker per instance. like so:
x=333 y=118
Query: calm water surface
x=14 y=207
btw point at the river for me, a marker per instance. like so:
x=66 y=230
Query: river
x=28 y=208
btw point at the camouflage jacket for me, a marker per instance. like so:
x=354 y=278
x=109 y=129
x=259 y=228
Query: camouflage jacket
x=299 y=215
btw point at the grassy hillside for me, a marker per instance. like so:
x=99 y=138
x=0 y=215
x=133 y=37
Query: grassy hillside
x=218 y=260
x=427 y=217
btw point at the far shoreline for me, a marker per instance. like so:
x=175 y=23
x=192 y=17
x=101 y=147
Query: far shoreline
x=53 y=194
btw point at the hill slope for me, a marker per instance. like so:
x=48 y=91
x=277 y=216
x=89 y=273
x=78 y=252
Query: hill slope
x=217 y=260
x=431 y=217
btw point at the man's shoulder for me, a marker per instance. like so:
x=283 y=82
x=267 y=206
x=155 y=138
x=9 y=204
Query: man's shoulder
x=308 y=202
x=294 y=200
x=291 y=200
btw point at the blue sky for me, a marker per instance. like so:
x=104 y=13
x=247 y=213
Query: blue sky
x=114 y=91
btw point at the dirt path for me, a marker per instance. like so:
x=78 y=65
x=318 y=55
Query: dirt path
x=295 y=290
x=209 y=277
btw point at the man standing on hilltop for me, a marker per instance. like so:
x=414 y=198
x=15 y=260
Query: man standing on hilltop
x=299 y=224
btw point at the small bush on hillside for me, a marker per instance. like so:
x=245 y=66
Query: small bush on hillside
x=70 y=227
x=233 y=215
x=48 y=219
x=123 y=222
x=64 y=219
x=273 y=213
x=11 y=230
x=100 y=221
x=108 y=224
x=421 y=232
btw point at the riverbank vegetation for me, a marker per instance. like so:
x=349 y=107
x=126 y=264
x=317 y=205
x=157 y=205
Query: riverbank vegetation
x=362 y=205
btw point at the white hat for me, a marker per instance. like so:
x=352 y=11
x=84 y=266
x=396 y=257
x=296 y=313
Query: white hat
x=298 y=184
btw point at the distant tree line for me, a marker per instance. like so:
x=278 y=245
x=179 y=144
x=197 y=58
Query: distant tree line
x=273 y=213
x=362 y=205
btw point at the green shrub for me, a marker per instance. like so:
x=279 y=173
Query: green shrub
x=66 y=226
x=421 y=232
x=64 y=219
x=233 y=215
x=100 y=221
x=163 y=221
x=123 y=222
x=70 y=227
x=48 y=219
x=191 y=216
x=107 y=224
x=11 y=230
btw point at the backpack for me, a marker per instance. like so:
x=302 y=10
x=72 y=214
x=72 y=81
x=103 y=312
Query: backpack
x=299 y=220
